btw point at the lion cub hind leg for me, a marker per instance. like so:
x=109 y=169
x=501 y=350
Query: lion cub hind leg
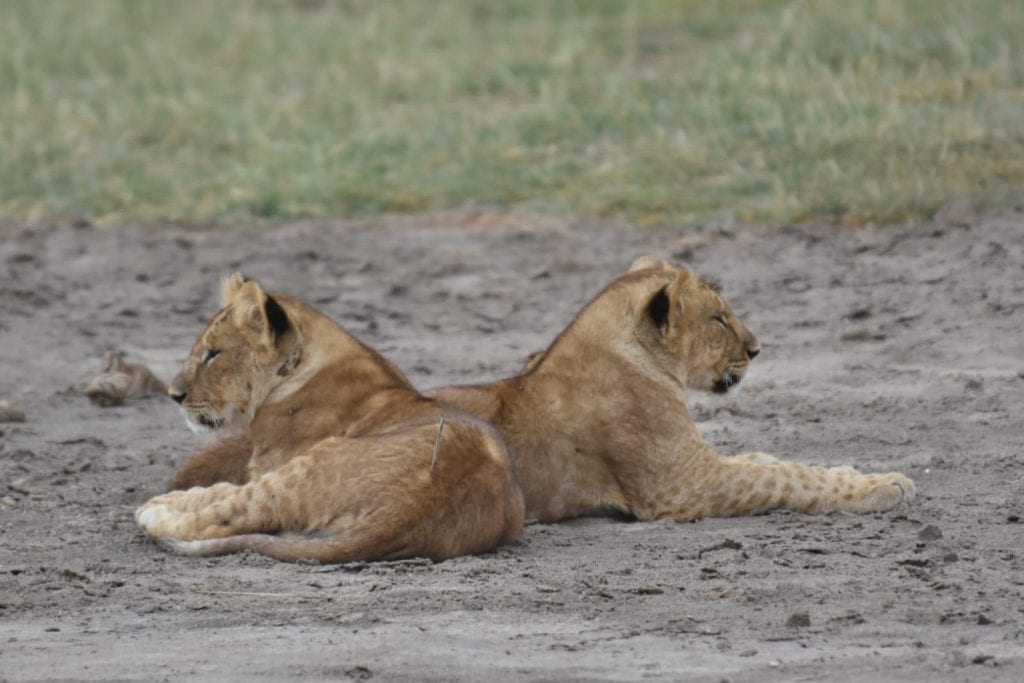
x=212 y=512
x=369 y=498
x=754 y=483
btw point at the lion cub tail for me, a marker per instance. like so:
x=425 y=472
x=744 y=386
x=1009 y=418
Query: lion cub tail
x=326 y=549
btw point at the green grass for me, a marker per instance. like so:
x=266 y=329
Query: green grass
x=657 y=112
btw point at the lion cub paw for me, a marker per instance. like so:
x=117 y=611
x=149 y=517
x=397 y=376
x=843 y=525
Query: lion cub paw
x=158 y=517
x=155 y=520
x=886 y=491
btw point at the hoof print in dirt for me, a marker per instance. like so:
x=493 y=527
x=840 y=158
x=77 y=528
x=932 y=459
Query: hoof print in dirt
x=120 y=380
x=10 y=412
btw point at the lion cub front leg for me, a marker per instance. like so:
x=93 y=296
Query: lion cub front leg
x=753 y=483
x=223 y=460
x=813 y=489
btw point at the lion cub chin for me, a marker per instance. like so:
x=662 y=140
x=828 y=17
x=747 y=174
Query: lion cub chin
x=348 y=462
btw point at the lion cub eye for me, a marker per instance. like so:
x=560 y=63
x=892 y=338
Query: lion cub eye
x=720 y=319
x=210 y=355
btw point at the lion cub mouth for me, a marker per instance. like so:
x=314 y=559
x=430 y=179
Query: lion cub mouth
x=727 y=381
x=202 y=423
x=211 y=422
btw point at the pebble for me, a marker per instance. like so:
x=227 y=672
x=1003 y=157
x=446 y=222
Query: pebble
x=799 y=620
x=930 y=533
x=862 y=335
x=10 y=412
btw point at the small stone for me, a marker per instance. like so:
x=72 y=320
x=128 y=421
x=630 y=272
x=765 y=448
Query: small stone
x=983 y=620
x=359 y=673
x=930 y=533
x=799 y=620
x=10 y=412
x=862 y=335
x=120 y=380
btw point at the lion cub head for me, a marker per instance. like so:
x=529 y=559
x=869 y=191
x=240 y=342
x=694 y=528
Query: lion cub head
x=238 y=358
x=690 y=330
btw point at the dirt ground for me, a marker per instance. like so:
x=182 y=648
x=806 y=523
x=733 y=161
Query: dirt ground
x=887 y=349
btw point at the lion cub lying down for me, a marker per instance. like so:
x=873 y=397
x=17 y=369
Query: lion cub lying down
x=345 y=460
x=599 y=420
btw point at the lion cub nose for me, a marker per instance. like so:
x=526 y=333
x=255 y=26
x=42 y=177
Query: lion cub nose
x=753 y=349
x=177 y=395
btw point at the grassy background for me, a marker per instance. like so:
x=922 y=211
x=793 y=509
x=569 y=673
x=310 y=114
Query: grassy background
x=658 y=112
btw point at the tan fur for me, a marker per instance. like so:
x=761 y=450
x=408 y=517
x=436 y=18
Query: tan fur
x=219 y=461
x=599 y=420
x=338 y=453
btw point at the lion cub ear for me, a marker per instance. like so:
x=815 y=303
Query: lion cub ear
x=666 y=306
x=645 y=262
x=658 y=308
x=229 y=287
x=256 y=310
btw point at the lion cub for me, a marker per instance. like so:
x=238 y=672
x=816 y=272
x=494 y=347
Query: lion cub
x=599 y=420
x=345 y=460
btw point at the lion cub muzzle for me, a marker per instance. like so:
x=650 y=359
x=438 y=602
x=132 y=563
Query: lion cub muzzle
x=753 y=348
x=735 y=371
